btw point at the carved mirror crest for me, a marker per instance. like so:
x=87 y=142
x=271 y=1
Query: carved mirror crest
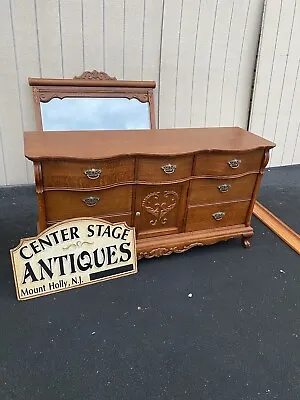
x=92 y=101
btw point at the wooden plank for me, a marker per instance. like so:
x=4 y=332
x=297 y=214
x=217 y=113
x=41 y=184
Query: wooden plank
x=152 y=45
x=27 y=56
x=49 y=38
x=93 y=34
x=169 y=59
x=133 y=38
x=184 y=73
x=202 y=61
x=114 y=37
x=10 y=113
x=71 y=37
x=290 y=237
x=233 y=62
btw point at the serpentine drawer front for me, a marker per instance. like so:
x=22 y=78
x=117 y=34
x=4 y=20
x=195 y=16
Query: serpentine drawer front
x=163 y=169
x=178 y=187
x=66 y=204
x=228 y=163
x=87 y=174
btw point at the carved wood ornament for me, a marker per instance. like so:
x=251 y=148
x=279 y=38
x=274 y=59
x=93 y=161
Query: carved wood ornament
x=159 y=204
x=101 y=76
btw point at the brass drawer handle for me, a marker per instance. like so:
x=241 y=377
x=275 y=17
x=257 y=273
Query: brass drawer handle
x=169 y=168
x=218 y=215
x=91 y=201
x=234 y=163
x=224 y=188
x=93 y=173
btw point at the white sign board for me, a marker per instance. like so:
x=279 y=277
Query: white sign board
x=73 y=253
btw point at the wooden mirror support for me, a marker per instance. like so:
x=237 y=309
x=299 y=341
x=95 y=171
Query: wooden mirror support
x=90 y=84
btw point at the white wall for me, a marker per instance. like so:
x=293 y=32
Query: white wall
x=201 y=53
x=276 y=101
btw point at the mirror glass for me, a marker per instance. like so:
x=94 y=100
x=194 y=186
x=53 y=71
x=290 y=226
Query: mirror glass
x=73 y=113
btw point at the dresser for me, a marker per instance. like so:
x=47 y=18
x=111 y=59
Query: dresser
x=179 y=188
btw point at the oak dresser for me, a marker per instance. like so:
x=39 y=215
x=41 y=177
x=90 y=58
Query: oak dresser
x=178 y=187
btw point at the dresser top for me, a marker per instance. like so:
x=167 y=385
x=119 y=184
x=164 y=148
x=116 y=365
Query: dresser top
x=95 y=145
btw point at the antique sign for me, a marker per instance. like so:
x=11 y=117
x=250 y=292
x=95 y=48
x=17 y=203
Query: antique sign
x=73 y=253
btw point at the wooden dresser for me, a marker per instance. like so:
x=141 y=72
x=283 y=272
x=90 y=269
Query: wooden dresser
x=179 y=187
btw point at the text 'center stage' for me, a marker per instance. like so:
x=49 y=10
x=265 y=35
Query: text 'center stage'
x=71 y=254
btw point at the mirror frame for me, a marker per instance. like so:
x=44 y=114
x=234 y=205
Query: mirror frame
x=90 y=84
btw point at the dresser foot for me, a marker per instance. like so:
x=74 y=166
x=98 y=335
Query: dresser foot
x=246 y=242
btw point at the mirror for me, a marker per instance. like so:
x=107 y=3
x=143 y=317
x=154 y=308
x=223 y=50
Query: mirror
x=92 y=101
x=94 y=114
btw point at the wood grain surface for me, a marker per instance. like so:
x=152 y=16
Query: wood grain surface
x=94 y=145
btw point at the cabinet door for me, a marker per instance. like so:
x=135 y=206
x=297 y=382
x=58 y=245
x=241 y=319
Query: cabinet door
x=160 y=209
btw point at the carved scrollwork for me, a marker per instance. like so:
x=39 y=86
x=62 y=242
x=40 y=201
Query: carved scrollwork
x=165 y=251
x=38 y=174
x=159 y=204
x=142 y=97
x=36 y=94
x=45 y=95
x=265 y=161
x=96 y=75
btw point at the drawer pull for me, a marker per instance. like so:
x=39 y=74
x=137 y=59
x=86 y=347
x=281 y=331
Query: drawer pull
x=224 y=188
x=234 y=163
x=218 y=215
x=169 y=168
x=93 y=173
x=91 y=201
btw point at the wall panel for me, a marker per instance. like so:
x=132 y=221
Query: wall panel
x=10 y=106
x=133 y=38
x=186 y=62
x=171 y=30
x=247 y=63
x=71 y=12
x=93 y=35
x=232 y=63
x=276 y=101
x=28 y=62
x=201 y=53
x=203 y=48
x=114 y=37
x=49 y=38
x=152 y=45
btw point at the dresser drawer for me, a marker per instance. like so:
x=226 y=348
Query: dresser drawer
x=218 y=164
x=66 y=204
x=205 y=191
x=206 y=217
x=164 y=169
x=87 y=174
